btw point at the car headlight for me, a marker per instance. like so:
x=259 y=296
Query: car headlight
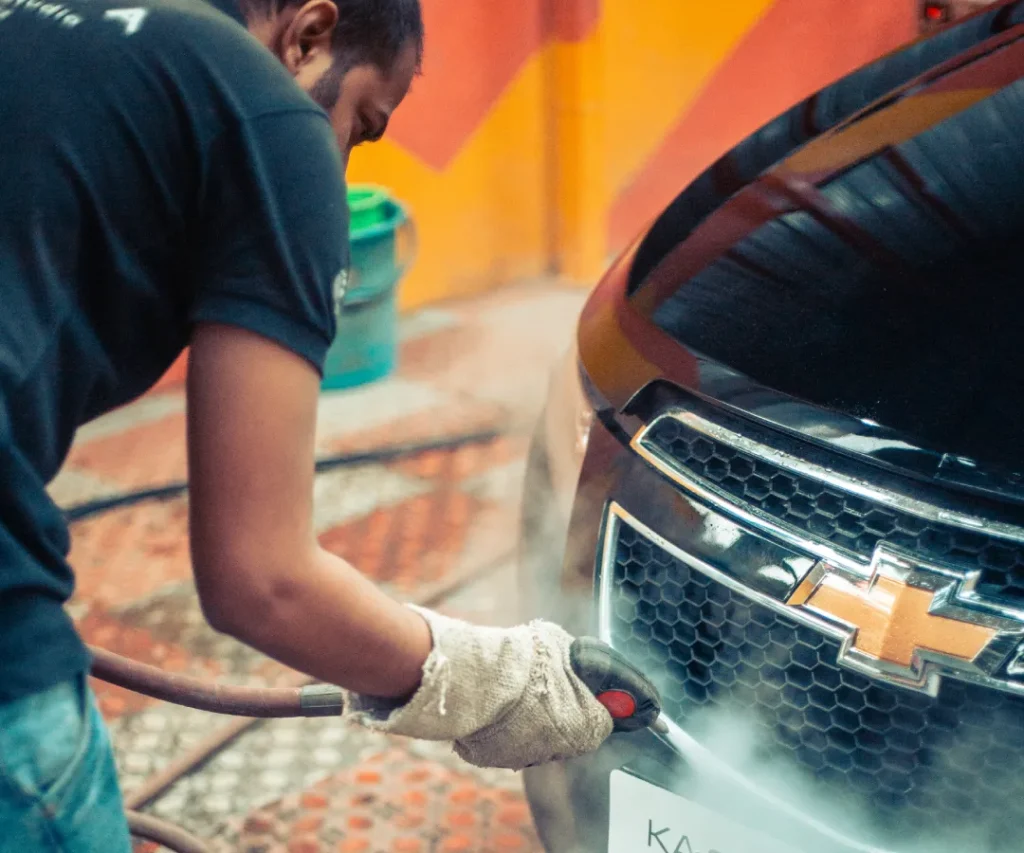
x=568 y=418
x=549 y=492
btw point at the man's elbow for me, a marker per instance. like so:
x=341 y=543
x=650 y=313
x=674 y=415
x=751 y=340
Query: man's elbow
x=245 y=604
x=225 y=615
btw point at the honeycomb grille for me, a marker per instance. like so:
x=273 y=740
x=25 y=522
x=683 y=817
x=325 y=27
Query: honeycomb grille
x=908 y=759
x=840 y=518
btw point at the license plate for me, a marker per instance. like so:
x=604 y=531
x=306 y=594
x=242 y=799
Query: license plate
x=644 y=817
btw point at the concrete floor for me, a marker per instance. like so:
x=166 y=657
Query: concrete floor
x=416 y=525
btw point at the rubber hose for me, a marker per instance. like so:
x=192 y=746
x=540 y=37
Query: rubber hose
x=193 y=692
x=266 y=702
x=167 y=834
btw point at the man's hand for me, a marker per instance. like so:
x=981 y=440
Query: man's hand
x=260 y=573
x=505 y=697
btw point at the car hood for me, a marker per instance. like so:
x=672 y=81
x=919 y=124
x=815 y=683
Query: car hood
x=862 y=289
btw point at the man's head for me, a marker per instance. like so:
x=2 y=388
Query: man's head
x=356 y=58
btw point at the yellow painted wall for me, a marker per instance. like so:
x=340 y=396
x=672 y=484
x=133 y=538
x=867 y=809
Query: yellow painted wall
x=671 y=53
x=480 y=221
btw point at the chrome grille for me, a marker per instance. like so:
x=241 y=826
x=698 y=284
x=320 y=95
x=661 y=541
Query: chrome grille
x=847 y=521
x=913 y=762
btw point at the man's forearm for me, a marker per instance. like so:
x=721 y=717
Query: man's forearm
x=327 y=620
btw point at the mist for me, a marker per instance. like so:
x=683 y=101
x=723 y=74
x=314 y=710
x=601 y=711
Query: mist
x=730 y=760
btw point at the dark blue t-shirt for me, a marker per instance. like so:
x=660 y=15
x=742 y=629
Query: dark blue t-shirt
x=158 y=167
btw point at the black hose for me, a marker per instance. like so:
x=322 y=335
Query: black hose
x=84 y=510
x=87 y=509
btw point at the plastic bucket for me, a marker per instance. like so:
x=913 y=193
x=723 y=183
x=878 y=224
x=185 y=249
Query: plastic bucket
x=382 y=245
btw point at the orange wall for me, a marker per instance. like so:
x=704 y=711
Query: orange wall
x=543 y=134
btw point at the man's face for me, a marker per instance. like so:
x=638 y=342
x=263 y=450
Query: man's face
x=360 y=101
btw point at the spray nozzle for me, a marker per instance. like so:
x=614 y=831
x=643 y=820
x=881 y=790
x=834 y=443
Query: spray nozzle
x=630 y=697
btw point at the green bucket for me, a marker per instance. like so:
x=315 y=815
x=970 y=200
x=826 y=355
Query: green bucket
x=382 y=245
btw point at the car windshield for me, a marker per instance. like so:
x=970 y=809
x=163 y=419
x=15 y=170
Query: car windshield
x=890 y=289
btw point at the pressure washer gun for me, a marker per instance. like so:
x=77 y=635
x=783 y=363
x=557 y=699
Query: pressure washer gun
x=629 y=695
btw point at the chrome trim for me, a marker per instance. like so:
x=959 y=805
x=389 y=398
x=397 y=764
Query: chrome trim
x=719 y=534
x=606 y=558
x=1008 y=622
x=768 y=568
x=1015 y=668
x=782 y=459
x=740 y=394
x=728 y=506
x=617 y=515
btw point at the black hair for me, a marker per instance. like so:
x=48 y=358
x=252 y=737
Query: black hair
x=369 y=32
x=374 y=32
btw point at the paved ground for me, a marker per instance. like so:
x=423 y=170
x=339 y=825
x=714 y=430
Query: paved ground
x=415 y=525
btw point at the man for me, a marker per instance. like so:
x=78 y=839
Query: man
x=172 y=174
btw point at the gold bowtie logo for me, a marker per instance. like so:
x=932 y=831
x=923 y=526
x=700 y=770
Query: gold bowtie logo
x=904 y=619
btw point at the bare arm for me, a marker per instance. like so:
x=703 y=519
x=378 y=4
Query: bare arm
x=261 y=575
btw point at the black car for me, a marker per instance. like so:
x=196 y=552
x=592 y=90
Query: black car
x=785 y=465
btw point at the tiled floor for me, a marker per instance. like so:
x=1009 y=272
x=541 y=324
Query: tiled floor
x=414 y=524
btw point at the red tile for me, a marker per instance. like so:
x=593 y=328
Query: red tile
x=313 y=800
x=309 y=822
x=459 y=820
x=415 y=813
x=465 y=794
x=127 y=554
x=411 y=543
x=513 y=815
x=414 y=797
x=305 y=844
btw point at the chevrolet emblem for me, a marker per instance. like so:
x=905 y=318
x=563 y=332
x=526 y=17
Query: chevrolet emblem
x=908 y=622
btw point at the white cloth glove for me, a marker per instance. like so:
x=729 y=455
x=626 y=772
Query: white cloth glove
x=505 y=697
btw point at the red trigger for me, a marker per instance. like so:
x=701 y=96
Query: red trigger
x=620 y=704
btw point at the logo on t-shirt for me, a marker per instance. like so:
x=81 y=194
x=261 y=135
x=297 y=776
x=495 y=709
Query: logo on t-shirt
x=338 y=290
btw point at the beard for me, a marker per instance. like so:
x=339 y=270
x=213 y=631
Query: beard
x=327 y=89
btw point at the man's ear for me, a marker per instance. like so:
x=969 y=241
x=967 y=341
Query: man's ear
x=307 y=37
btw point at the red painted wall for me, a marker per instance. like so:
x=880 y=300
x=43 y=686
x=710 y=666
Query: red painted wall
x=796 y=48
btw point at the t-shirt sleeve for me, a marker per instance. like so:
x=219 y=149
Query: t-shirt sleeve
x=274 y=231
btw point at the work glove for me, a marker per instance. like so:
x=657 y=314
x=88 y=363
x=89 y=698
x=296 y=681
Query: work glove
x=505 y=697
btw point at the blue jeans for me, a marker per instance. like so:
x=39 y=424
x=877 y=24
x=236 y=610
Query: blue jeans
x=58 y=785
